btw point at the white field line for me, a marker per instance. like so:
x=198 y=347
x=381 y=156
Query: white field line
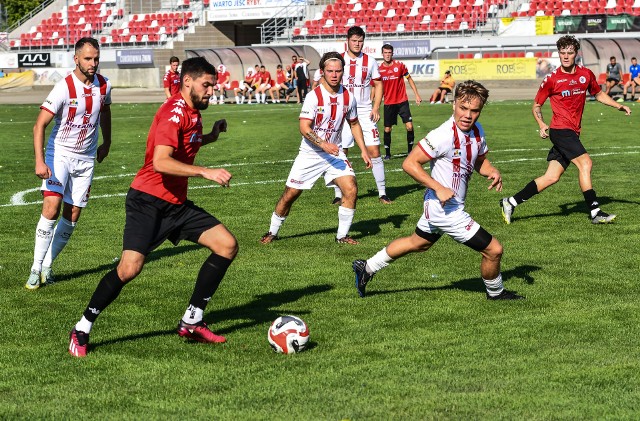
x=18 y=198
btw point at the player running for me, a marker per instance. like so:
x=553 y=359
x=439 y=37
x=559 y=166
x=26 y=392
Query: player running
x=322 y=117
x=453 y=150
x=566 y=87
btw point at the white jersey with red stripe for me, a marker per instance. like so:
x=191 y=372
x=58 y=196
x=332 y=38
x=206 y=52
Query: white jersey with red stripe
x=327 y=111
x=357 y=77
x=453 y=156
x=76 y=108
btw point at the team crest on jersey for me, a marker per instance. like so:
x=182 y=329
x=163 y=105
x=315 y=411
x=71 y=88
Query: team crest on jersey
x=73 y=103
x=395 y=69
x=583 y=79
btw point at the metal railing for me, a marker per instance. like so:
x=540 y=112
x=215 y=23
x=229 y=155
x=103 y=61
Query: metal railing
x=282 y=22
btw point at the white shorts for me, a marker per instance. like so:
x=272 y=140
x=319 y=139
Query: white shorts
x=369 y=130
x=70 y=177
x=219 y=86
x=264 y=86
x=457 y=223
x=308 y=167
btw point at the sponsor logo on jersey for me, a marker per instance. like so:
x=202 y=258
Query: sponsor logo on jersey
x=429 y=144
x=175 y=119
x=565 y=93
x=54 y=183
x=469 y=225
x=456 y=153
x=296 y=181
x=73 y=103
x=195 y=138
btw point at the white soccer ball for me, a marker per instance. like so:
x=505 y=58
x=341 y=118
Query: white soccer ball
x=288 y=335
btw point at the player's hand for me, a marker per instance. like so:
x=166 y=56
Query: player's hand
x=418 y=99
x=219 y=175
x=367 y=159
x=496 y=180
x=330 y=148
x=42 y=170
x=543 y=131
x=627 y=110
x=219 y=126
x=103 y=151
x=444 y=194
x=375 y=115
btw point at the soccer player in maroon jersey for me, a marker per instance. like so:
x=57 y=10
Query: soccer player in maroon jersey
x=171 y=81
x=395 y=97
x=157 y=207
x=566 y=87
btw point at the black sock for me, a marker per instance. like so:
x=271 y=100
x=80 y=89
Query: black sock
x=209 y=278
x=410 y=138
x=591 y=199
x=387 y=143
x=107 y=290
x=527 y=193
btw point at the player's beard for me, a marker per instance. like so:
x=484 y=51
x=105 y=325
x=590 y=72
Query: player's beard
x=87 y=73
x=199 y=103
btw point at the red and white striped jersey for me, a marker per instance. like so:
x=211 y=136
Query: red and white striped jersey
x=76 y=109
x=328 y=113
x=453 y=156
x=357 y=77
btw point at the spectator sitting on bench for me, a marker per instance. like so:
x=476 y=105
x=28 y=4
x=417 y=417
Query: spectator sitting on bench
x=614 y=75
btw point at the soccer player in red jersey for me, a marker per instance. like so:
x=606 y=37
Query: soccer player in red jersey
x=395 y=97
x=157 y=207
x=264 y=85
x=171 y=81
x=78 y=104
x=566 y=87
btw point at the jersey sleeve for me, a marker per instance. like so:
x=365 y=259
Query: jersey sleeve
x=165 y=81
x=484 y=148
x=594 y=88
x=169 y=127
x=309 y=107
x=544 y=91
x=317 y=75
x=436 y=143
x=352 y=111
x=375 y=70
x=107 y=98
x=404 y=71
x=56 y=98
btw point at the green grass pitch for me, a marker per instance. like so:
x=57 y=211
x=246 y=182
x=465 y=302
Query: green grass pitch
x=424 y=343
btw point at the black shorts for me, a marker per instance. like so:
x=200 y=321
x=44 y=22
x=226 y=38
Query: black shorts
x=566 y=146
x=392 y=111
x=445 y=89
x=611 y=79
x=150 y=221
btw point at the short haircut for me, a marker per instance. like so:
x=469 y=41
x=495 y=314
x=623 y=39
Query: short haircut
x=196 y=67
x=174 y=59
x=633 y=58
x=86 y=40
x=355 y=30
x=470 y=89
x=387 y=47
x=331 y=55
x=612 y=58
x=279 y=66
x=568 y=41
x=262 y=67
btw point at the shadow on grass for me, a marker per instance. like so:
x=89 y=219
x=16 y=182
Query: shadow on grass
x=262 y=310
x=155 y=255
x=394 y=192
x=576 y=207
x=365 y=228
x=475 y=284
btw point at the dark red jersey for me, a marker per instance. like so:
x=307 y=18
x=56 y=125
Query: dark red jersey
x=172 y=81
x=393 y=82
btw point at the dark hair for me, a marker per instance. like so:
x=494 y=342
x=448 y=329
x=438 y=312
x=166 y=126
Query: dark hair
x=86 y=40
x=173 y=59
x=279 y=66
x=612 y=58
x=387 y=47
x=470 y=89
x=568 y=41
x=633 y=58
x=355 y=30
x=196 y=67
x=331 y=55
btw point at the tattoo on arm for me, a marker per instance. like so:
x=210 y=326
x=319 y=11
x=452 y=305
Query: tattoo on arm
x=539 y=114
x=313 y=138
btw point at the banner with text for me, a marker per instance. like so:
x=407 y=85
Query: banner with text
x=224 y=10
x=490 y=68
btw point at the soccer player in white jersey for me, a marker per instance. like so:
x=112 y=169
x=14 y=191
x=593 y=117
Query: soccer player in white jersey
x=453 y=150
x=322 y=116
x=361 y=71
x=79 y=104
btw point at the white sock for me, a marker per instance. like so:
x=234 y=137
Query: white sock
x=594 y=212
x=494 y=286
x=378 y=174
x=221 y=98
x=193 y=315
x=378 y=261
x=44 y=234
x=84 y=325
x=512 y=201
x=264 y=98
x=338 y=192
x=345 y=218
x=61 y=234
x=276 y=223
